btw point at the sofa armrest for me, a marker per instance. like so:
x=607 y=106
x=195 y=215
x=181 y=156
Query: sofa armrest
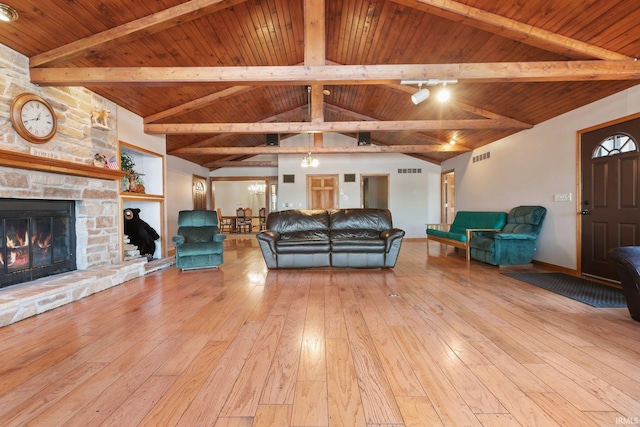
x=218 y=238
x=514 y=236
x=267 y=241
x=178 y=240
x=391 y=234
x=269 y=238
x=470 y=232
x=390 y=237
x=441 y=227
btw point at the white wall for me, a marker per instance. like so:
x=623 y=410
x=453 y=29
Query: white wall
x=178 y=174
x=528 y=168
x=414 y=199
x=179 y=193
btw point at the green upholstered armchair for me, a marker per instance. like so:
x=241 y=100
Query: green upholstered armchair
x=516 y=243
x=198 y=243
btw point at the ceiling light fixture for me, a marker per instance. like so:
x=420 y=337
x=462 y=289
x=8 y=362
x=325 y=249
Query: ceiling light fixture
x=423 y=94
x=308 y=160
x=7 y=13
x=444 y=94
x=420 y=95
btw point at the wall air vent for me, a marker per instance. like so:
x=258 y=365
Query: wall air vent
x=483 y=156
x=288 y=179
x=349 y=177
x=410 y=170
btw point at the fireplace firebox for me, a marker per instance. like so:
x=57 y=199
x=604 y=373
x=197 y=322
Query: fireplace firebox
x=37 y=239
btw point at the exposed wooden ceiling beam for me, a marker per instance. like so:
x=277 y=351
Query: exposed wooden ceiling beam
x=546 y=71
x=217 y=139
x=511 y=29
x=305 y=127
x=142 y=27
x=241 y=164
x=357 y=116
x=198 y=103
x=416 y=149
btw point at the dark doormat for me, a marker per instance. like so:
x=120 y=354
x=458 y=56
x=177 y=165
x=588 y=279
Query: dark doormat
x=585 y=291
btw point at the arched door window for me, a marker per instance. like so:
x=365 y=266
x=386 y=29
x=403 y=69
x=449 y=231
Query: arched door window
x=615 y=144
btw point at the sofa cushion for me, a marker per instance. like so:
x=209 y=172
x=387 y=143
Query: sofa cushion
x=302 y=246
x=200 y=248
x=295 y=220
x=298 y=236
x=360 y=219
x=477 y=219
x=461 y=237
x=357 y=245
x=309 y=241
x=354 y=234
x=525 y=220
x=198 y=234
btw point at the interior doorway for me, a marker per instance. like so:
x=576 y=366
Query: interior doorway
x=322 y=191
x=199 y=185
x=375 y=191
x=610 y=194
x=448 y=200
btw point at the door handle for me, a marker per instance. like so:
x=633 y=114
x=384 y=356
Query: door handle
x=585 y=212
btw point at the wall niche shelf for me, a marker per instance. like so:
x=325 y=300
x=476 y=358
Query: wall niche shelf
x=150 y=167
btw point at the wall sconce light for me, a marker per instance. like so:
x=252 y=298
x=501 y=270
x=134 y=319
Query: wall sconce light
x=7 y=13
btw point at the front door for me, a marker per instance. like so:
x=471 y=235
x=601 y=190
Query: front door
x=322 y=191
x=610 y=211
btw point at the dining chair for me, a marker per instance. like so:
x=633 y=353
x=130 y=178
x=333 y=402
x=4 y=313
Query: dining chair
x=263 y=218
x=226 y=224
x=248 y=217
x=241 y=221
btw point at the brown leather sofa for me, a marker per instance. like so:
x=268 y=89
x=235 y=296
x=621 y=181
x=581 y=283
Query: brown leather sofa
x=357 y=238
x=627 y=260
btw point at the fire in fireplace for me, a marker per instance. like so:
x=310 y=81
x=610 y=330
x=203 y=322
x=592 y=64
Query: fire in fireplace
x=37 y=239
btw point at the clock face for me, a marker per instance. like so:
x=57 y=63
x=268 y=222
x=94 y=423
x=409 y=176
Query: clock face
x=37 y=119
x=33 y=118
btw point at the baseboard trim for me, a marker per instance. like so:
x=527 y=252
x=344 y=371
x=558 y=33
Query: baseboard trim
x=558 y=268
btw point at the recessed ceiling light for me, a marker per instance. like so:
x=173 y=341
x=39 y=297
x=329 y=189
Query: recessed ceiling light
x=7 y=13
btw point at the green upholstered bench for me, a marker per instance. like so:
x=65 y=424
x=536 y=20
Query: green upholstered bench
x=458 y=233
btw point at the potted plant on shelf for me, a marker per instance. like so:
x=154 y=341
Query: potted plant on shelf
x=132 y=182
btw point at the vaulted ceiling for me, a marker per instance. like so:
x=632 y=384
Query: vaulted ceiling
x=216 y=76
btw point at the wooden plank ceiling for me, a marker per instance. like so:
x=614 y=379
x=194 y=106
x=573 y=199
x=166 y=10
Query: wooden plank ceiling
x=216 y=76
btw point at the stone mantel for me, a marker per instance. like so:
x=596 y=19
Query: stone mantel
x=38 y=163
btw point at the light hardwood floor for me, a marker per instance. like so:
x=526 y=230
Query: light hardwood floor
x=430 y=342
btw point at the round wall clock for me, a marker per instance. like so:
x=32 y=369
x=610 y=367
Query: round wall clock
x=33 y=118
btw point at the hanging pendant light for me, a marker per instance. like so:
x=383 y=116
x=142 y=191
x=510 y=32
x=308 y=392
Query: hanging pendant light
x=308 y=160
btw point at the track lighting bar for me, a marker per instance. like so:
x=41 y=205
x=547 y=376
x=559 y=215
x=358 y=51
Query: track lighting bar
x=429 y=82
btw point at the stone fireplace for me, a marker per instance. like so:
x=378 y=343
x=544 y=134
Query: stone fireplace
x=91 y=195
x=62 y=170
x=37 y=239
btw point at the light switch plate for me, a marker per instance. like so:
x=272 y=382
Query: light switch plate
x=562 y=197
